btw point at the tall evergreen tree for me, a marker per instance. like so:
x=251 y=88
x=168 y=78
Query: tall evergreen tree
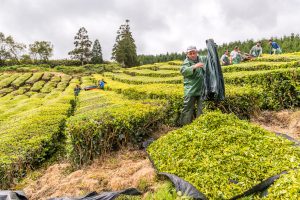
x=97 y=53
x=124 y=50
x=82 y=44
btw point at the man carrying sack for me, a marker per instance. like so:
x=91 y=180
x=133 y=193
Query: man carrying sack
x=202 y=80
x=193 y=73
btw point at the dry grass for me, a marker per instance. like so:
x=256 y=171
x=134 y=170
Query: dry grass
x=119 y=170
x=285 y=121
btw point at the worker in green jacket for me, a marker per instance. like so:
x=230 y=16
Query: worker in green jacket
x=235 y=56
x=256 y=50
x=193 y=73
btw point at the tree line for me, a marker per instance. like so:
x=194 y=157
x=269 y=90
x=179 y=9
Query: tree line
x=85 y=51
x=123 y=51
x=288 y=44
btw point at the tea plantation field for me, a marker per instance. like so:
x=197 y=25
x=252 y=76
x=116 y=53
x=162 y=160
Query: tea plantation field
x=39 y=113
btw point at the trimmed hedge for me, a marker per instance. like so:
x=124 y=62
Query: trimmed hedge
x=151 y=73
x=280 y=86
x=5 y=91
x=47 y=76
x=8 y=80
x=20 y=90
x=105 y=120
x=279 y=58
x=158 y=66
x=143 y=79
x=49 y=63
x=37 y=86
x=35 y=77
x=223 y=156
x=171 y=65
x=88 y=68
x=31 y=136
x=255 y=66
x=261 y=77
x=21 y=80
x=243 y=101
x=50 y=85
x=68 y=69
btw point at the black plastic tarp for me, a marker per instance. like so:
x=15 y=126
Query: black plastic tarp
x=214 y=81
x=12 y=195
x=19 y=195
x=185 y=187
x=103 y=195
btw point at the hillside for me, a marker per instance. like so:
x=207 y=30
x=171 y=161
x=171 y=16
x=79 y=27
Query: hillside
x=40 y=116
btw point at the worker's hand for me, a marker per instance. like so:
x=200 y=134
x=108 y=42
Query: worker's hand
x=198 y=65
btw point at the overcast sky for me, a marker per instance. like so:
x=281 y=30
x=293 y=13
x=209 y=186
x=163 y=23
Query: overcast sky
x=158 y=26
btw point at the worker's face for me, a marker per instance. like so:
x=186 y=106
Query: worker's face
x=192 y=55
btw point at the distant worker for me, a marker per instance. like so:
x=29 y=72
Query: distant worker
x=101 y=84
x=225 y=58
x=275 y=48
x=235 y=56
x=256 y=50
x=77 y=90
x=193 y=76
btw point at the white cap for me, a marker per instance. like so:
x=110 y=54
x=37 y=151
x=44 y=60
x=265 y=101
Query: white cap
x=191 y=48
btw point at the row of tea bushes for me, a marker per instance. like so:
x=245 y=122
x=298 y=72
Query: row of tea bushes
x=280 y=58
x=256 y=66
x=151 y=73
x=31 y=135
x=241 y=100
x=105 y=120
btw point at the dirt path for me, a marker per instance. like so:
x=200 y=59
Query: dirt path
x=285 y=121
x=123 y=169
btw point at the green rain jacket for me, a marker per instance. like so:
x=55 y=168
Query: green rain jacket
x=193 y=80
x=256 y=51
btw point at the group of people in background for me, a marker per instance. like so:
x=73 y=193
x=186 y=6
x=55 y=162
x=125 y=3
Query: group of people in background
x=236 y=56
x=77 y=89
x=193 y=71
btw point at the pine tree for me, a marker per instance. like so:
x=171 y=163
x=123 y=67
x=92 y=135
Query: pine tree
x=124 y=50
x=82 y=44
x=97 y=53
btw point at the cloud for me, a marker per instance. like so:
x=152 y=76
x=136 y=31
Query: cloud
x=157 y=26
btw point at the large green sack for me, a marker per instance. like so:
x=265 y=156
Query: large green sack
x=214 y=81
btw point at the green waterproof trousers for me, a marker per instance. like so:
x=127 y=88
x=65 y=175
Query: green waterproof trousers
x=190 y=104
